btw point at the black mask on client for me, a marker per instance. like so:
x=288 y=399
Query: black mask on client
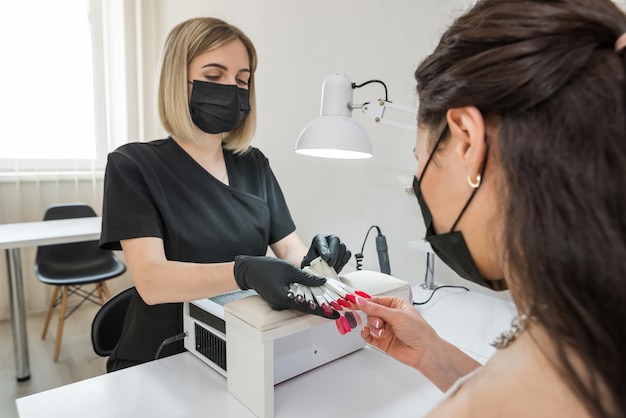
x=451 y=246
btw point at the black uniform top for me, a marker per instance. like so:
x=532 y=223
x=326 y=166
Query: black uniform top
x=156 y=189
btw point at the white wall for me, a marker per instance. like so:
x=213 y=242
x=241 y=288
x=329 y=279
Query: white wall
x=300 y=43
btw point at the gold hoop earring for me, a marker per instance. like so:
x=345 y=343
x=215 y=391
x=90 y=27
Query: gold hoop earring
x=474 y=185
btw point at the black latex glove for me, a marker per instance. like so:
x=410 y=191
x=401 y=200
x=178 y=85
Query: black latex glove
x=331 y=249
x=270 y=277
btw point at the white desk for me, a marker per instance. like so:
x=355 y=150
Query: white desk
x=31 y=234
x=366 y=383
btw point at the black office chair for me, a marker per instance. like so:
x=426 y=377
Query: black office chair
x=69 y=267
x=106 y=328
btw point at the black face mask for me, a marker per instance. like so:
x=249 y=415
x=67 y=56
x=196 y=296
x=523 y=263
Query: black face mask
x=217 y=108
x=451 y=246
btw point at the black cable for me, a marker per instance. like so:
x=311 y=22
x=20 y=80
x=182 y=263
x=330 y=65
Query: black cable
x=437 y=288
x=356 y=86
x=359 y=256
x=168 y=341
x=359 y=260
x=381 y=249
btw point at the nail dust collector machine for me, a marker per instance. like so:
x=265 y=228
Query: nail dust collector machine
x=256 y=347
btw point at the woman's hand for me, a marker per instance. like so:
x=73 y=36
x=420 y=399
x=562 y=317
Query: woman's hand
x=394 y=326
x=271 y=277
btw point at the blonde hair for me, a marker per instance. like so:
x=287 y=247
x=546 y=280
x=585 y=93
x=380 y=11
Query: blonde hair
x=185 y=42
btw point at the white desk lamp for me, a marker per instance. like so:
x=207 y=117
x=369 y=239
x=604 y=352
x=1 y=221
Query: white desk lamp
x=334 y=134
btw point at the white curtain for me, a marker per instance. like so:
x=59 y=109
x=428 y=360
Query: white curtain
x=28 y=187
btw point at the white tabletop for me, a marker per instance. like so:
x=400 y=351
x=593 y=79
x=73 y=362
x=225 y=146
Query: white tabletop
x=184 y=386
x=366 y=383
x=469 y=320
x=13 y=237
x=32 y=234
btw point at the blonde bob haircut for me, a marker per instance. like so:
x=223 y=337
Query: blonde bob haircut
x=185 y=42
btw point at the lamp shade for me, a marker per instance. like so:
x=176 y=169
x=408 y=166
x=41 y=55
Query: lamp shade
x=335 y=134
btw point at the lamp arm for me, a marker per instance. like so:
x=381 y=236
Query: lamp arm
x=376 y=112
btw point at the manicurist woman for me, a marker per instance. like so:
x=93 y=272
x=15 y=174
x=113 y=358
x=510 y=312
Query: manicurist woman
x=195 y=212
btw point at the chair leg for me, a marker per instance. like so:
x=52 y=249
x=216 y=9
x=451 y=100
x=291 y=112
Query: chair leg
x=107 y=294
x=53 y=302
x=100 y=293
x=57 y=344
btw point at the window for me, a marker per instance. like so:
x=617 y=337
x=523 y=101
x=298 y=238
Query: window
x=55 y=83
x=47 y=80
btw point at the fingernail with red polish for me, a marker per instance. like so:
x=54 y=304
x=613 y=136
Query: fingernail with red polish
x=326 y=308
x=345 y=323
x=336 y=306
x=340 y=328
x=351 y=319
x=343 y=303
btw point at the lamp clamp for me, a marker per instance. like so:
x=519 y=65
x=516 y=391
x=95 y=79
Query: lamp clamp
x=376 y=112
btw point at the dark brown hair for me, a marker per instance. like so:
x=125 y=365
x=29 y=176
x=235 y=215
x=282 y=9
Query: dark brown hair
x=547 y=75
